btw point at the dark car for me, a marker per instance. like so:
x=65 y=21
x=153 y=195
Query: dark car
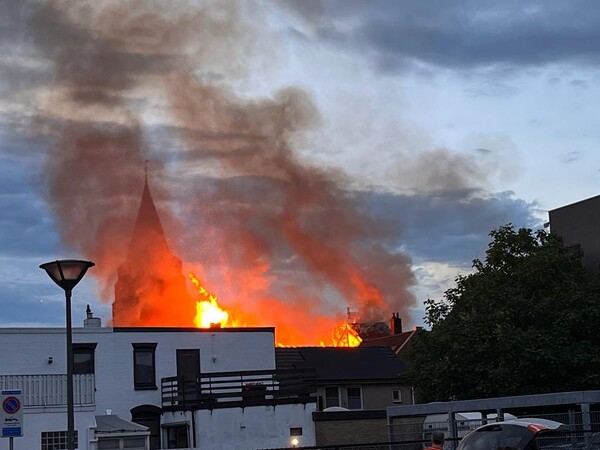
x=521 y=434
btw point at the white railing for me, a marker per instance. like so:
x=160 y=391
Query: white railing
x=51 y=390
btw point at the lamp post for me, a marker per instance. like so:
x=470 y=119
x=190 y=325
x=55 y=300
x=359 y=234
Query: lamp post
x=67 y=273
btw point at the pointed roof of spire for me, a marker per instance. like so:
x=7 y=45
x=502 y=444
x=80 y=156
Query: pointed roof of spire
x=148 y=232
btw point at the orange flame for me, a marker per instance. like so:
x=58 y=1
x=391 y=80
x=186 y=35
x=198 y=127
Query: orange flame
x=208 y=311
x=345 y=336
x=210 y=314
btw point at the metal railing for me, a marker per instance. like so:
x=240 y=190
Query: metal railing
x=238 y=389
x=51 y=390
x=415 y=433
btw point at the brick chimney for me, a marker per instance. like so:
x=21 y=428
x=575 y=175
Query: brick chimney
x=396 y=323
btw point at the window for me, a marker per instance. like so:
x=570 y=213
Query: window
x=55 y=440
x=144 y=366
x=354 y=398
x=295 y=431
x=332 y=396
x=83 y=358
x=396 y=396
x=177 y=436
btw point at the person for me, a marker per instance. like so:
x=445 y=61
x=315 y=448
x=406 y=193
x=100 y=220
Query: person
x=437 y=441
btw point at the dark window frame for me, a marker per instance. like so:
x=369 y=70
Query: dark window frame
x=51 y=440
x=338 y=401
x=172 y=435
x=354 y=397
x=397 y=398
x=144 y=348
x=84 y=348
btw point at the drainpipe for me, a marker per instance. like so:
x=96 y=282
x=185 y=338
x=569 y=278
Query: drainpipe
x=194 y=428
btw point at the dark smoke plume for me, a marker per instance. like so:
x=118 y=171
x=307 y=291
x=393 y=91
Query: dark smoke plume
x=284 y=242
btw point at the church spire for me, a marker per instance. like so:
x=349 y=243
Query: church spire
x=150 y=281
x=147 y=226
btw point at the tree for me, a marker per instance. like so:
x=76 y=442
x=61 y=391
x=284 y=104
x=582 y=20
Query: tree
x=526 y=321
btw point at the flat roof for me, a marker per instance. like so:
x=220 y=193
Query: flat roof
x=193 y=330
x=77 y=330
x=577 y=203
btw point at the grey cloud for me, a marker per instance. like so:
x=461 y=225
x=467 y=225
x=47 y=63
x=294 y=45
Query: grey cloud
x=571 y=157
x=465 y=35
x=580 y=84
x=450 y=227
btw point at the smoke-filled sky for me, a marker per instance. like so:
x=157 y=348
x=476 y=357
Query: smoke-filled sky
x=305 y=156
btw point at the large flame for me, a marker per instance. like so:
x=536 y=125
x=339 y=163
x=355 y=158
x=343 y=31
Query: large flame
x=345 y=336
x=210 y=314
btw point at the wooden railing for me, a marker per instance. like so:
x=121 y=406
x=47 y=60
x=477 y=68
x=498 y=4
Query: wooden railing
x=51 y=390
x=238 y=389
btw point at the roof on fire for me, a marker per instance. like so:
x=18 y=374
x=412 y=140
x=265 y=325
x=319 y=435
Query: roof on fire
x=397 y=342
x=339 y=363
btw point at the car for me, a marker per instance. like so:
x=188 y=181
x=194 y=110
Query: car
x=517 y=434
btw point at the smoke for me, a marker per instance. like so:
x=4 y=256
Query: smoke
x=283 y=242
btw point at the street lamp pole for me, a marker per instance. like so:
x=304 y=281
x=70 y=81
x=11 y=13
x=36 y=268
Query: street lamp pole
x=67 y=273
x=70 y=400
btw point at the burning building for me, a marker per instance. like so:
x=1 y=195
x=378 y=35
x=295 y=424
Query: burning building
x=151 y=287
x=151 y=277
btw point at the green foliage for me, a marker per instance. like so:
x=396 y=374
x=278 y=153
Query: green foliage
x=525 y=321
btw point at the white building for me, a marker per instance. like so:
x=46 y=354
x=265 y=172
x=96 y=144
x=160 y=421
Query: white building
x=192 y=388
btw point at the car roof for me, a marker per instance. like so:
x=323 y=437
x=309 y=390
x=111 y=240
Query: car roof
x=535 y=425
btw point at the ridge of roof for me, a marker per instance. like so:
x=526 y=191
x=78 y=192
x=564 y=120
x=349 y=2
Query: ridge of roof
x=396 y=341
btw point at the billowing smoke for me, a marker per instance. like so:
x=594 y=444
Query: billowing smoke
x=282 y=242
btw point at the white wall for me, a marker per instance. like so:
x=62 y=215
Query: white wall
x=254 y=427
x=26 y=352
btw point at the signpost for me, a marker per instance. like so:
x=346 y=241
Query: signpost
x=11 y=425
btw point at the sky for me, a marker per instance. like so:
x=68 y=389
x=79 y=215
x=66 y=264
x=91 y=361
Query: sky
x=310 y=151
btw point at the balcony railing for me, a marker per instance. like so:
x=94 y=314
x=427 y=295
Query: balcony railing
x=51 y=390
x=238 y=389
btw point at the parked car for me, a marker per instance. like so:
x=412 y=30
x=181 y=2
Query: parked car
x=521 y=434
x=465 y=423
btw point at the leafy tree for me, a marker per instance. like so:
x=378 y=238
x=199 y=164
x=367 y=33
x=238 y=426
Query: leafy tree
x=526 y=321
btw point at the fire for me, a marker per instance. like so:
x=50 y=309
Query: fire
x=345 y=336
x=208 y=311
x=210 y=314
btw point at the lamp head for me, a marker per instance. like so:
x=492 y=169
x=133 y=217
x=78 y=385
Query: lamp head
x=67 y=272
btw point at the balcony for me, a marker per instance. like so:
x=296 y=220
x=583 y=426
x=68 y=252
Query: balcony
x=51 y=390
x=238 y=389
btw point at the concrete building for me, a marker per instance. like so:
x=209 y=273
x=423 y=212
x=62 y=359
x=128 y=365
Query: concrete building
x=578 y=225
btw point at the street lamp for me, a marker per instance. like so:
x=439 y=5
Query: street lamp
x=67 y=273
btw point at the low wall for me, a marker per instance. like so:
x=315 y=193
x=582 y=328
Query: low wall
x=350 y=427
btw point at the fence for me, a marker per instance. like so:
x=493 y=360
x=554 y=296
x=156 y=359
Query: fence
x=51 y=390
x=231 y=389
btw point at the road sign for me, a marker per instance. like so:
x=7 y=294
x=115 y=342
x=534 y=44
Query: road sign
x=11 y=418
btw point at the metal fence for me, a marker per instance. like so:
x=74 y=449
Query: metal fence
x=415 y=434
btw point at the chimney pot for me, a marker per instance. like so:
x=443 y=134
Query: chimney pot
x=396 y=323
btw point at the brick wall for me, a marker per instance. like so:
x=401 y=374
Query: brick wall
x=350 y=427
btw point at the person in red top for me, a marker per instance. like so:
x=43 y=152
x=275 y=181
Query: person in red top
x=437 y=441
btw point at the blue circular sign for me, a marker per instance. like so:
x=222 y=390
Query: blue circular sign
x=11 y=405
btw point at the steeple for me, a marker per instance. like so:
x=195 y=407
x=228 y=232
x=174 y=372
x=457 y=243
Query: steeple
x=147 y=228
x=150 y=288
